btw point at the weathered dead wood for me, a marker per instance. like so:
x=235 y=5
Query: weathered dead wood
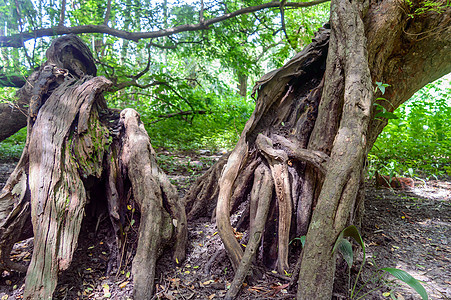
x=328 y=114
x=316 y=158
x=58 y=195
x=201 y=199
x=66 y=53
x=261 y=195
x=278 y=163
x=15 y=214
x=75 y=146
x=276 y=96
x=150 y=185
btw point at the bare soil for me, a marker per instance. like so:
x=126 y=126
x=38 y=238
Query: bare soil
x=409 y=230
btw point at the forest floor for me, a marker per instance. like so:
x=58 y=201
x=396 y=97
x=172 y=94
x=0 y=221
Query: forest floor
x=408 y=230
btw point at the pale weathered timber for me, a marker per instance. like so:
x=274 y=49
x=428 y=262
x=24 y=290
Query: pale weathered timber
x=148 y=184
x=261 y=196
x=58 y=195
x=77 y=147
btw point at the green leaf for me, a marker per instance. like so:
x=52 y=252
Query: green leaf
x=381 y=86
x=379 y=107
x=302 y=238
x=345 y=249
x=407 y=278
x=353 y=232
x=387 y=115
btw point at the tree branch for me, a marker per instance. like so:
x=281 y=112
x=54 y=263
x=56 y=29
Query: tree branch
x=282 y=18
x=17 y=40
x=107 y=13
x=180 y=113
x=62 y=13
x=133 y=82
x=201 y=13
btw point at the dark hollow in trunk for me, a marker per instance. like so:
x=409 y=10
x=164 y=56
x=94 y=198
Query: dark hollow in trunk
x=75 y=147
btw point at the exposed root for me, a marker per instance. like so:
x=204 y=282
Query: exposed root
x=236 y=161
x=278 y=162
x=261 y=190
x=150 y=188
x=201 y=200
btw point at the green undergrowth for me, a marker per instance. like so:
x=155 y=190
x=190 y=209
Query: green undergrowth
x=418 y=143
x=217 y=130
x=12 y=147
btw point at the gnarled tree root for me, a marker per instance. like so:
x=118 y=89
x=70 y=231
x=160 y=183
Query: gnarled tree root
x=148 y=185
x=261 y=195
x=75 y=146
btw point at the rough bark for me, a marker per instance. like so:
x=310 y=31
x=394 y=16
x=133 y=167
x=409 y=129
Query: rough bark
x=75 y=147
x=315 y=125
x=73 y=57
x=348 y=56
x=295 y=110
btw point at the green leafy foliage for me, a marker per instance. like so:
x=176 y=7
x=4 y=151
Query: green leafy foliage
x=12 y=147
x=184 y=85
x=345 y=248
x=417 y=8
x=218 y=129
x=407 y=278
x=418 y=141
x=300 y=239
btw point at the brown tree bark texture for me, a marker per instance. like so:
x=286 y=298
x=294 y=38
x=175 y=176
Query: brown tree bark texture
x=377 y=42
x=73 y=140
x=347 y=55
x=58 y=196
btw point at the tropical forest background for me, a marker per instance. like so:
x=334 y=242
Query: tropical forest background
x=193 y=89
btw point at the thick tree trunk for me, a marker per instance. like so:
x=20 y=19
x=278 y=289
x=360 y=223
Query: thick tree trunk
x=313 y=127
x=348 y=57
x=76 y=147
x=242 y=84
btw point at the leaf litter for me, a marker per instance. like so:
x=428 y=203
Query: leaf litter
x=409 y=230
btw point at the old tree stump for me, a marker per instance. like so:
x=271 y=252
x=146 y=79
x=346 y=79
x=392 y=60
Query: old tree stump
x=299 y=164
x=79 y=151
x=296 y=169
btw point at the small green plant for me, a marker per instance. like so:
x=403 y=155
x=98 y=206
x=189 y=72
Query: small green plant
x=345 y=248
x=418 y=142
x=417 y=8
x=381 y=112
x=301 y=239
